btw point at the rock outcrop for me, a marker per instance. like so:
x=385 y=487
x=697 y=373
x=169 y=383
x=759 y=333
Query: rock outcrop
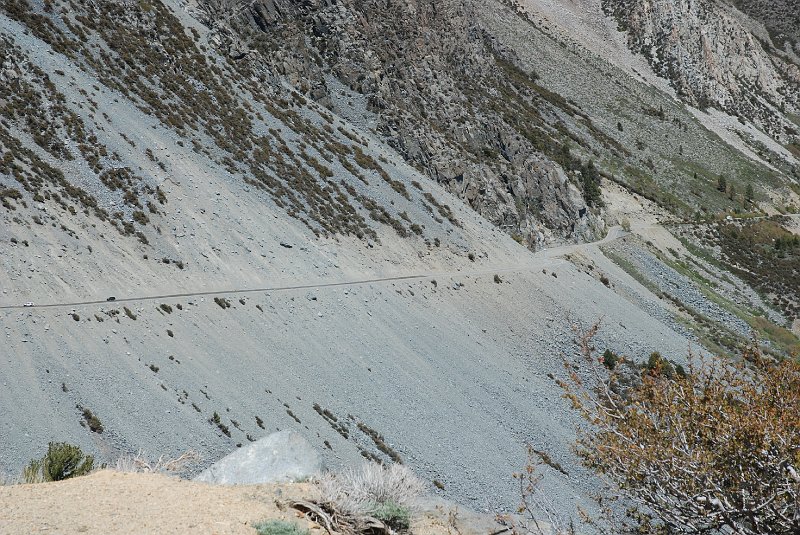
x=713 y=58
x=441 y=91
x=781 y=19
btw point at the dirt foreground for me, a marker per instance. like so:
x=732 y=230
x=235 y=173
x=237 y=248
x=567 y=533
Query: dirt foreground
x=108 y=502
x=111 y=502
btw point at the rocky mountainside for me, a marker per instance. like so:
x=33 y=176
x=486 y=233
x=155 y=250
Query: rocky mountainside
x=451 y=86
x=376 y=222
x=714 y=57
x=457 y=90
x=437 y=88
x=781 y=19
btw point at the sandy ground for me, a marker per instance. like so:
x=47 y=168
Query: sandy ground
x=113 y=502
x=109 y=502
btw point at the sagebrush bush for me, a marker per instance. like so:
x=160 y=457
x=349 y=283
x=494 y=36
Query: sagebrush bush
x=141 y=463
x=91 y=420
x=364 y=490
x=372 y=499
x=393 y=515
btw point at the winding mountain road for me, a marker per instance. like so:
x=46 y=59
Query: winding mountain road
x=536 y=263
x=544 y=254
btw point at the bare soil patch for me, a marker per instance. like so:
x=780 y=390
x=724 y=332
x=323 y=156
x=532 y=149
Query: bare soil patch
x=109 y=502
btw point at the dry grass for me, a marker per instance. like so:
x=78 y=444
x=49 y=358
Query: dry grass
x=373 y=499
x=358 y=491
x=141 y=464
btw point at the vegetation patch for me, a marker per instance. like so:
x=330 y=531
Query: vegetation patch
x=765 y=255
x=682 y=429
x=216 y=420
x=380 y=442
x=62 y=461
x=279 y=527
x=222 y=302
x=90 y=420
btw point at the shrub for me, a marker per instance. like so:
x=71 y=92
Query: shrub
x=216 y=420
x=62 y=461
x=222 y=302
x=497 y=279
x=353 y=501
x=716 y=449
x=279 y=527
x=658 y=365
x=361 y=491
x=610 y=359
x=91 y=420
x=380 y=442
x=393 y=515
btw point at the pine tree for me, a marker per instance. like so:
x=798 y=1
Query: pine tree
x=749 y=193
x=590 y=180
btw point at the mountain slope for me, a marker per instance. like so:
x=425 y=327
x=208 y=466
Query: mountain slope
x=780 y=17
x=727 y=67
x=455 y=107
x=245 y=186
x=319 y=215
x=459 y=91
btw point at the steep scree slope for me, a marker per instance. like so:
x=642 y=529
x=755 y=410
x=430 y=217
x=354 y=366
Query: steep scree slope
x=146 y=154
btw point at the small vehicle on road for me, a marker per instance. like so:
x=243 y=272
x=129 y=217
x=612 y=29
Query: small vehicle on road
x=28 y=304
x=112 y=298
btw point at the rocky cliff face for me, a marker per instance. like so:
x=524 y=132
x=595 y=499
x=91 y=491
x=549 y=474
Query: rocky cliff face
x=436 y=88
x=781 y=19
x=713 y=59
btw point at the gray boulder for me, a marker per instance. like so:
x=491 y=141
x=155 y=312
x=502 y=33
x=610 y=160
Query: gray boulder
x=281 y=457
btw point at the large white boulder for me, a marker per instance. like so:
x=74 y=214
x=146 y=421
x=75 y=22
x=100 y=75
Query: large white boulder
x=281 y=457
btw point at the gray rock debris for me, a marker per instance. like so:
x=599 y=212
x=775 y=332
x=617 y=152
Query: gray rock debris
x=281 y=457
